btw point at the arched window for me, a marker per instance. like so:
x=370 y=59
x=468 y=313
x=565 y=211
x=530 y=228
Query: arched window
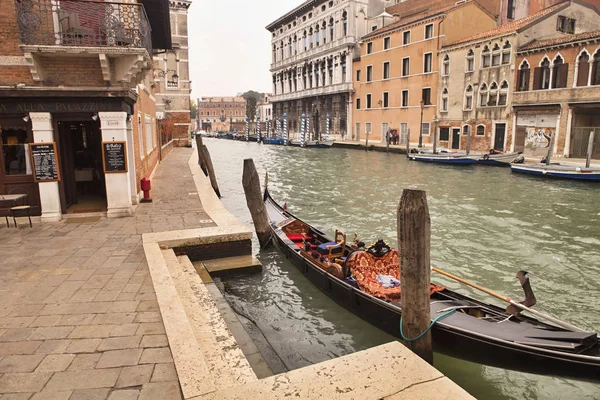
x=503 y=94
x=483 y=95
x=324 y=29
x=331 y=29
x=290 y=47
x=466 y=130
x=445 y=99
x=274 y=53
x=506 y=53
x=311 y=38
x=295 y=44
x=485 y=57
x=305 y=41
x=345 y=23
x=446 y=66
x=541 y=75
x=468 y=104
x=493 y=95
x=317 y=35
x=523 y=77
x=470 y=63
x=281 y=48
x=595 y=78
x=583 y=69
x=560 y=71
x=496 y=55
x=480 y=130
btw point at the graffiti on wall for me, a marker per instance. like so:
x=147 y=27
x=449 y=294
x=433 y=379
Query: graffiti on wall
x=538 y=138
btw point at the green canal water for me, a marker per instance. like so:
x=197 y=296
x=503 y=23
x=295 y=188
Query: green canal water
x=486 y=224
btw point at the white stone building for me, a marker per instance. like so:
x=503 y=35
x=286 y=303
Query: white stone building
x=264 y=108
x=312 y=50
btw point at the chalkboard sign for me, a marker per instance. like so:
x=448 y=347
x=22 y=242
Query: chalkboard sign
x=45 y=162
x=114 y=157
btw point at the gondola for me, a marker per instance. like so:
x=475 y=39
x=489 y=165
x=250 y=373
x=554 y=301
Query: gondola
x=476 y=331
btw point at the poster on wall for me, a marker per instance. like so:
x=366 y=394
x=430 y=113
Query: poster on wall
x=45 y=162
x=114 y=157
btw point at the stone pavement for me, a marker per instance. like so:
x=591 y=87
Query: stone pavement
x=78 y=311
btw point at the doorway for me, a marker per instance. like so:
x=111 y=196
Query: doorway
x=384 y=131
x=358 y=131
x=455 y=138
x=84 y=188
x=500 y=133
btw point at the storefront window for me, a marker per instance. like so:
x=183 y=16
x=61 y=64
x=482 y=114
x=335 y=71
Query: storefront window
x=15 y=150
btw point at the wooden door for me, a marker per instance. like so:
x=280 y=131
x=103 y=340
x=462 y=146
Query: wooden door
x=456 y=138
x=67 y=166
x=499 y=137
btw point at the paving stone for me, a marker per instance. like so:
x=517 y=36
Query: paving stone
x=119 y=343
x=84 y=362
x=90 y=394
x=84 y=295
x=123 y=306
x=27 y=310
x=135 y=376
x=22 y=363
x=126 y=296
x=82 y=275
x=91 y=308
x=164 y=373
x=49 y=333
x=46 y=320
x=83 y=346
x=147 y=305
x=53 y=347
x=131 y=287
x=64 y=291
x=58 y=309
x=16 y=334
x=149 y=316
x=155 y=328
x=119 y=358
x=157 y=355
x=89 y=379
x=77 y=319
x=90 y=331
x=160 y=390
x=124 y=330
x=16 y=396
x=24 y=382
x=107 y=295
x=56 y=362
x=48 y=395
x=16 y=322
x=17 y=348
x=96 y=282
x=124 y=394
x=154 y=341
x=114 y=318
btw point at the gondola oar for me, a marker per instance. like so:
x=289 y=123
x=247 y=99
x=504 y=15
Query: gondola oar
x=510 y=301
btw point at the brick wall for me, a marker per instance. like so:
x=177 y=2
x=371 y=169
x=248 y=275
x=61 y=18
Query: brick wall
x=10 y=42
x=75 y=71
x=144 y=163
x=181 y=133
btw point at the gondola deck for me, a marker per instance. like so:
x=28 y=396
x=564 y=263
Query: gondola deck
x=477 y=331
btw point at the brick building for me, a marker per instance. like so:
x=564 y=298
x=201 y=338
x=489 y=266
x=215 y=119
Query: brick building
x=222 y=113
x=172 y=79
x=75 y=76
x=557 y=90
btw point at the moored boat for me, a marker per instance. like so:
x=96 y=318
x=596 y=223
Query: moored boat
x=278 y=141
x=444 y=158
x=559 y=170
x=474 y=330
x=497 y=158
x=311 y=143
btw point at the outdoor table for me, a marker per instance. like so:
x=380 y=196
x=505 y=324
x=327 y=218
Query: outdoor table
x=15 y=205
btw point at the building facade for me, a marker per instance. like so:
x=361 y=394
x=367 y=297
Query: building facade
x=312 y=50
x=172 y=78
x=71 y=82
x=477 y=77
x=264 y=108
x=557 y=91
x=396 y=75
x=221 y=113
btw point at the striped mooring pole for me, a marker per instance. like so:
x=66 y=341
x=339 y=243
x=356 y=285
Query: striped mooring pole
x=327 y=128
x=247 y=129
x=302 y=130
x=307 y=132
x=285 y=133
x=268 y=133
x=277 y=128
x=258 y=129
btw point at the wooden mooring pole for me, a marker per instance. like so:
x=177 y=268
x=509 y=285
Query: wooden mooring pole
x=254 y=200
x=588 y=159
x=414 y=232
x=205 y=163
x=201 y=161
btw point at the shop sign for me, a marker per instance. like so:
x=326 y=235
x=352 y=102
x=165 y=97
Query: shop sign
x=45 y=162
x=71 y=105
x=114 y=157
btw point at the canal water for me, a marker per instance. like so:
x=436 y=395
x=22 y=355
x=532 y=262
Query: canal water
x=486 y=224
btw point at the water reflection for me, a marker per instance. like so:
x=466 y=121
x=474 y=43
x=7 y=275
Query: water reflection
x=486 y=224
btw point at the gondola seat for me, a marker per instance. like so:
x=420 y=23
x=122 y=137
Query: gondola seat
x=324 y=250
x=365 y=267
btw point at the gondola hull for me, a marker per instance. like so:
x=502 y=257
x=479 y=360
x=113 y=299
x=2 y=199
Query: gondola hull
x=450 y=159
x=322 y=144
x=459 y=335
x=572 y=172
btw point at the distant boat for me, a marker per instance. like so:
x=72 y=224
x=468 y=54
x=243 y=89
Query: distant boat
x=499 y=159
x=311 y=143
x=445 y=158
x=279 y=141
x=558 y=170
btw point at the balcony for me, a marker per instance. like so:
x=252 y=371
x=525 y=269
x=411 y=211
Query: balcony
x=583 y=94
x=320 y=91
x=113 y=33
x=317 y=51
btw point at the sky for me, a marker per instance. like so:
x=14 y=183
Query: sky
x=230 y=49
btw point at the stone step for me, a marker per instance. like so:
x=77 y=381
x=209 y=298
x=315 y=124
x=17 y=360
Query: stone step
x=231 y=265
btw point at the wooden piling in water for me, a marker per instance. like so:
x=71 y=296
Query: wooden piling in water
x=210 y=171
x=550 y=148
x=254 y=200
x=414 y=232
x=201 y=160
x=588 y=159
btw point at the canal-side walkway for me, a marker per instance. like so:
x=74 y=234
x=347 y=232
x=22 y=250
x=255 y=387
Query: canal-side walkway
x=78 y=312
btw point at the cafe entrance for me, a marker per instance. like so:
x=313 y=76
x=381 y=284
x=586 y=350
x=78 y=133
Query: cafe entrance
x=83 y=180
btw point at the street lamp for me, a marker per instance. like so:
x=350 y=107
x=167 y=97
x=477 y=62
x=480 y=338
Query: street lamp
x=421 y=127
x=174 y=77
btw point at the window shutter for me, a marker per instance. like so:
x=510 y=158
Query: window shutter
x=563 y=73
x=582 y=73
x=526 y=74
x=537 y=78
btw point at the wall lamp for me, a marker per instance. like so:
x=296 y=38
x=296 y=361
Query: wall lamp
x=95 y=117
x=26 y=118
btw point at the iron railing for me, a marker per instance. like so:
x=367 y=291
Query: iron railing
x=83 y=23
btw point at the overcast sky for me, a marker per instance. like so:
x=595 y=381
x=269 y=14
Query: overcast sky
x=229 y=45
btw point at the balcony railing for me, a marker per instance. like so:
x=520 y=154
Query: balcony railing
x=83 y=23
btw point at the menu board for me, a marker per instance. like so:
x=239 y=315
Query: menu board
x=114 y=157
x=45 y=162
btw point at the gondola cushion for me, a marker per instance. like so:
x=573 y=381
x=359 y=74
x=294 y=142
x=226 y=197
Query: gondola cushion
x=322 y=248
x=297 y=237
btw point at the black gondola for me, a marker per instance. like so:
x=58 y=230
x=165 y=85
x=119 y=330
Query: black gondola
x=476 y=331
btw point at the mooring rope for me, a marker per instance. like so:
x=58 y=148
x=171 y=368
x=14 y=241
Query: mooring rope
x=428 y=328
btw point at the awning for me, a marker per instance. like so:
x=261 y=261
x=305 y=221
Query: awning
x=160 y=22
